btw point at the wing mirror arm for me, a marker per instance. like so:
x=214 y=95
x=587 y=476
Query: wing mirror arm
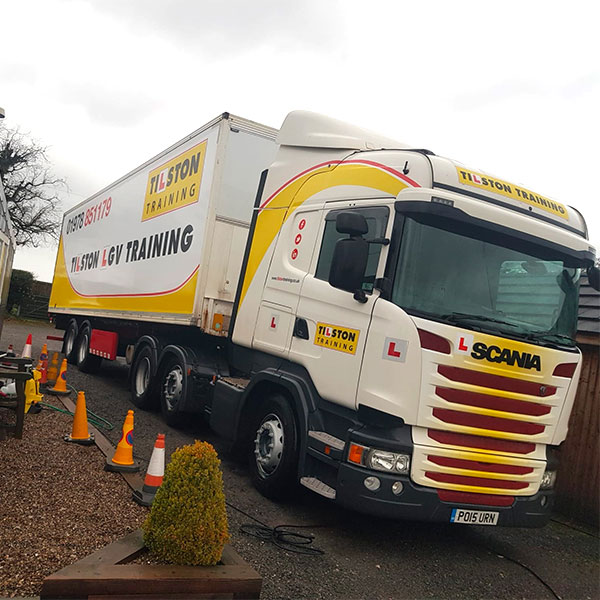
x=360 y=296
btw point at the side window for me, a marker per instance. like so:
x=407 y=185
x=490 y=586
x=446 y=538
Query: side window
x=377 y=218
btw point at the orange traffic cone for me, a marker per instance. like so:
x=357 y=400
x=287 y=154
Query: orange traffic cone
x=43 y=357
x=154 y=474
x=60 y=387
x=27 y=348
x=122 y=461
x=9 y=353
x=79 y=432
x=53 y=369
x=44 y=372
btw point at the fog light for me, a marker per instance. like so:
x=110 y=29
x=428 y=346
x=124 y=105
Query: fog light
x=544 y=501
x=372 y=483
x=397 y=487
x=548 y=480
x=403 y=463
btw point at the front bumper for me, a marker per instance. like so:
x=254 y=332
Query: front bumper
x=423 y=504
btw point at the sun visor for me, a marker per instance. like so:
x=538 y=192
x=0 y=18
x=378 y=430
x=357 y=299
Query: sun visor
x=455 y=177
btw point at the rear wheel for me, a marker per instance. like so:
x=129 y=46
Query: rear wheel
x=173 y=387
x=143 y=383
x=69 y=340
x=86 y=362
x=273 y=456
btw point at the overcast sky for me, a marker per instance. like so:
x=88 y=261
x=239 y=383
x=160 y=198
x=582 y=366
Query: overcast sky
x=512 y=88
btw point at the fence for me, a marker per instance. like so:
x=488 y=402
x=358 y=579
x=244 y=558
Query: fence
x=578 y=485
x=36 y=307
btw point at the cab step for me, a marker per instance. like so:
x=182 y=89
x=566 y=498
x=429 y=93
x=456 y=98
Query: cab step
x=327 y=439
x=318 y=486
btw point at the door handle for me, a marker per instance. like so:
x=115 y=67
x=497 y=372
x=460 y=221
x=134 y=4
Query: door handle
x=301 y=328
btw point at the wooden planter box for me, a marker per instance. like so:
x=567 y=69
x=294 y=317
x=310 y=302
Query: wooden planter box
x=105 y=574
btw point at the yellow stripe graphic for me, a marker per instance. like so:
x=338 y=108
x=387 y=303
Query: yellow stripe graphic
x=282 y=206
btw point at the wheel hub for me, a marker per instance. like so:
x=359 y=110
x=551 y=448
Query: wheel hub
x=268 y=445
x=173 y=387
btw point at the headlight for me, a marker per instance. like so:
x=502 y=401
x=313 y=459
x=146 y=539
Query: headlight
x=548 y=480
x=379 y=460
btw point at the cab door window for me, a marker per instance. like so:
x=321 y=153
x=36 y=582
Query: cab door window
x=377 y=219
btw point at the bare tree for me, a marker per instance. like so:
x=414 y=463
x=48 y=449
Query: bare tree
x=30 y=187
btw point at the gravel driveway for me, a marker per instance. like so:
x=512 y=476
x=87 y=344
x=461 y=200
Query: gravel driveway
x=363 y=557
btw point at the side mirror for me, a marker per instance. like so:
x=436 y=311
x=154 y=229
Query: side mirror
x=349 y=263
x=593 y=274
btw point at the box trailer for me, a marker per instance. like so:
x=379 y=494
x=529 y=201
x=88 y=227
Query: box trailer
x=387 y=327
x=165 y=242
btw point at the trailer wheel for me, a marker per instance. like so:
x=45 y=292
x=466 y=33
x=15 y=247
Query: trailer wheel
x=86 y=362
x=173 y=386
x=143 y=382
x=273 y=456
x=69 y=340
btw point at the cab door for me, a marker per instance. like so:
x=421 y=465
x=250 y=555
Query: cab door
x=330 y=328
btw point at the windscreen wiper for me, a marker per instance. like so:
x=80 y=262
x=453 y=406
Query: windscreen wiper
x=557 y=338
x=458 y=317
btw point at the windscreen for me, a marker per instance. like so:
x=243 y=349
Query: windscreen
x=481 y=281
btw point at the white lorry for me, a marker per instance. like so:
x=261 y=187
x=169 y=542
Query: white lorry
x=384 y=326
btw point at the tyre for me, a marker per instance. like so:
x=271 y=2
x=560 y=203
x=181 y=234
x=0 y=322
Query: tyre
x=173 y=387
x=86 y=362
x=273 y=456
x=69 y=340
x=143 y=380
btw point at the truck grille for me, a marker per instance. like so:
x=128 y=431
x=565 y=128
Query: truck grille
x=511 y=415
x=486 y=405
x=482 y=426
x=472 y=472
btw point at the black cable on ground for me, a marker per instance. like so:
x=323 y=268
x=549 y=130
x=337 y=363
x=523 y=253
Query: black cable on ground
x=281 y=535
x=518 y=562
x=93 y=418
x=591 y=534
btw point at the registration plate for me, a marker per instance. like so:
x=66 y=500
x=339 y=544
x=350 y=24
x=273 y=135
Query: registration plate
x=474 y=517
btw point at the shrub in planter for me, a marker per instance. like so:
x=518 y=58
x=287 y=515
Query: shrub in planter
x=187 y=524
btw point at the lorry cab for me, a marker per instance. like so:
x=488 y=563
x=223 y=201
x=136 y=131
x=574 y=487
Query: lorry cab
x=431 y=310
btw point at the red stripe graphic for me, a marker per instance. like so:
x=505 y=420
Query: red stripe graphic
x=478 y=499
x=483 y=443
x=482 y=422
x=134 y=295
x=473 y=465
x=492 y=402
x=478 y=481
x=498 y=382
x=341 y=162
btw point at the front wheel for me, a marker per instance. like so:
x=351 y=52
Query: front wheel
x=173 y=387
x=273 y=456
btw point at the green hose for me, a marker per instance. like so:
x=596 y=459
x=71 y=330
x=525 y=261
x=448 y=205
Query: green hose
x=92 y=417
